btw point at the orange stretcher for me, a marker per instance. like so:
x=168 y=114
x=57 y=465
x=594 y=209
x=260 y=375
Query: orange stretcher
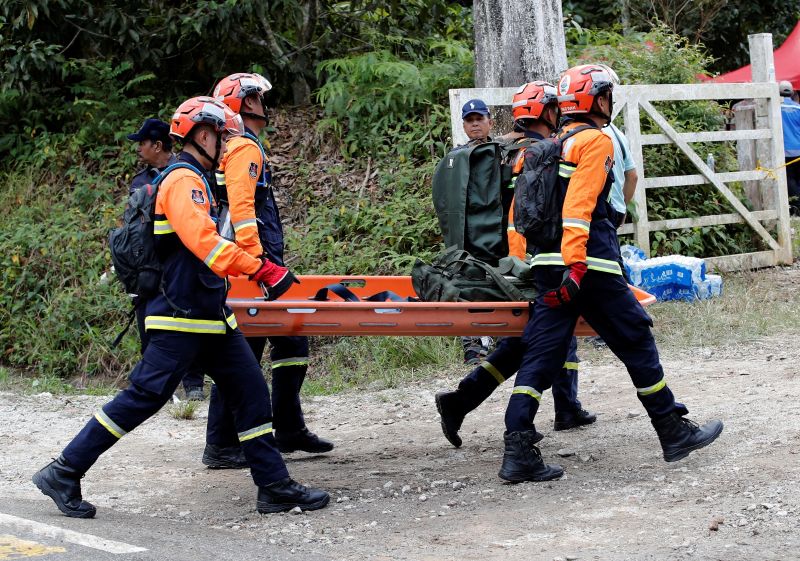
x=295 y=314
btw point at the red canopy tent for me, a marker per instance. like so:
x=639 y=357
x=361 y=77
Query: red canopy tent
x=787 y=64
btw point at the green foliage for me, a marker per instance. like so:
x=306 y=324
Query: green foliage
x=391 y=105
x=351 y=235
x=377 y=362
x=184 y=410
x=721 y=25
x=55 y=315
x=649 y=58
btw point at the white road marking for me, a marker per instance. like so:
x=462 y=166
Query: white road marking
x=78 y=538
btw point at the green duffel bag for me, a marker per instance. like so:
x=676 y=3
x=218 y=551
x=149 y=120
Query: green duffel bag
x=456 y=276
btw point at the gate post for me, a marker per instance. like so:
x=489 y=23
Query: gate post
x=633 y=132
x=770 y=153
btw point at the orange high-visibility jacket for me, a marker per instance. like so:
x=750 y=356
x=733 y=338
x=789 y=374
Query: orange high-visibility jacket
x=588 y=234
x=241 y=171
x=196 y=259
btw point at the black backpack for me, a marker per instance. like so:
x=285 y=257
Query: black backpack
x=538 y=192
x=456 y=276
x=132 y=245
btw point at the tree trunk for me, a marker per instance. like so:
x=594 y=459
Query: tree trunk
x=518 y=41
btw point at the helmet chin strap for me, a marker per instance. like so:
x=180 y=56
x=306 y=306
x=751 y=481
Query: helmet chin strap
x=605 y=116
x=251 y=115
x=215 y=160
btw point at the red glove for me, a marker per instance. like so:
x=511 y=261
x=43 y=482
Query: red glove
x=275 y=279
x=569 y=288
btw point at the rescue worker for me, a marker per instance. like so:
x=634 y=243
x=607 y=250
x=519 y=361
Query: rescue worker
x=790 y=115
x=624 y=179
x=580 y=275
x=478 y=123
x=188 y=321
x=244 y=182
x=155 y=151
x=536 y=117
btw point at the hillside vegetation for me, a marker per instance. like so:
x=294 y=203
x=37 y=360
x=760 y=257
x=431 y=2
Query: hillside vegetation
x=353 y=161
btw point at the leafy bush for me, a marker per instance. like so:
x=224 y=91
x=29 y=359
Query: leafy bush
x=381 y=103
x=352 y=235
x=55 y=314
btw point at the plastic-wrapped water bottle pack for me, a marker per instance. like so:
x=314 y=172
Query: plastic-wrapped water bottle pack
x=672 y=277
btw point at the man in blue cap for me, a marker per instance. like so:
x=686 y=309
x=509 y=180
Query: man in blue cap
x=155 y=151
x=478 y=123
x=477 y=120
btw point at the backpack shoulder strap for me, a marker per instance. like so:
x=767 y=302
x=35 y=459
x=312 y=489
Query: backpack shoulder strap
x=573 y=132
x=255 y=139
x=184 y=165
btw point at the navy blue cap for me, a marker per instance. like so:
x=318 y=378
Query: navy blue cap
x=152 y=129
x=474 y=106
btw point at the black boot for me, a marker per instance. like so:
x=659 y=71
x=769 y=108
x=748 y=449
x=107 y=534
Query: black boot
x=679 y=436
x=303 y=440
x=452 y=415
x=62 y=483
x=522 y=460
x=286 y=494
x=566 y=420
x=224 y=457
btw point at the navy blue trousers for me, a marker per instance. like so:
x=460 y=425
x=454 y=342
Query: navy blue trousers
x=228 y=361
x=289 y=356
x=608 y=305
x=504 y=362
x=194 y=377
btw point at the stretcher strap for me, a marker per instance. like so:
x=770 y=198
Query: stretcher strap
x=347 y=295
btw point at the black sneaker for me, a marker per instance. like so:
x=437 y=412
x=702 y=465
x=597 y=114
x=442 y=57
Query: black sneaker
x=286 y=494
x=303 y=440
x=572 y=419
x=224 y=457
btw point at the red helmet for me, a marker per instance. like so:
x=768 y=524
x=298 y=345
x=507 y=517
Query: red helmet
x=204 y=110
x=579 y=86
x=531 y=99
x=232 y=89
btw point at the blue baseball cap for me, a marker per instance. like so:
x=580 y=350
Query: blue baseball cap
x=474 y=106
x=152 y=129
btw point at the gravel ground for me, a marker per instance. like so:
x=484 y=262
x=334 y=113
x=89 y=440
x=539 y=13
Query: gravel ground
x=400 y=491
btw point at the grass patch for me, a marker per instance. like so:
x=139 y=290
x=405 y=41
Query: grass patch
x=184 y=410
x=377 y=362
x=18 y=381
x=753 y=305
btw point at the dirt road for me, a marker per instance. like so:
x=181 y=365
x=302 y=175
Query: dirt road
x=400 y=491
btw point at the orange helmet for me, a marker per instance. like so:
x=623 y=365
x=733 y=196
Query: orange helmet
x=531 y=99
x=202 y=110
x=232 y=89
x=580 y=85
